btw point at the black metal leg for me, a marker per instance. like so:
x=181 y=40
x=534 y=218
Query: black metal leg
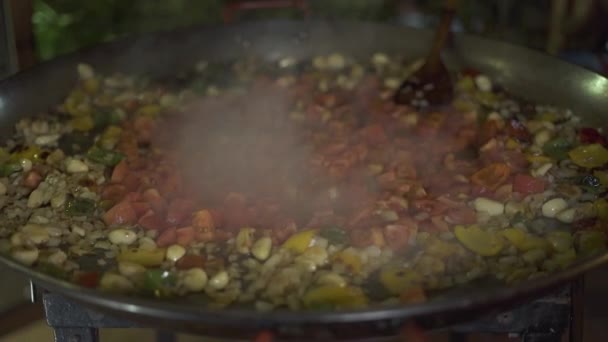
x=165 y=336
x=541 y=337
x=76 y=335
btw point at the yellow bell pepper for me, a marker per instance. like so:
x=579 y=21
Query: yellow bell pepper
x=347 y=297
x=91 y=85
x=300 y=241
x=30 y=152
x=524 y=241
x=440 y=248
x=602 y=176
x=350 y=259
x=82 y=123
x=538 y=159
x=589 y=156
x=564 y=259
x=601 y=208
x=148 y=258
x=479 y=241
x=397 y=279
x=151 y=110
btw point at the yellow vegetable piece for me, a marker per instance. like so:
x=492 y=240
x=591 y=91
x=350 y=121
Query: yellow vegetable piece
x=334 y=296
x=560 y=241
x=74 y=103
x=148 y=258
x=512 y=144
x=397 y=279
x=479 y=241
x=538 y=159
x=601 y=208
x=350 y=259
x=548 y=116
x=149 y=110
x=565 y=259
x=110 y=137
x=440 y=248
x=602 y=176
x=91 y=85
x=524 y=241
x=82 y=123
x=300 y=241
x=30 y=152
x=589 y=156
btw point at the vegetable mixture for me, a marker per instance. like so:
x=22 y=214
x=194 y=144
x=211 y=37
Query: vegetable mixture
x=391 y=204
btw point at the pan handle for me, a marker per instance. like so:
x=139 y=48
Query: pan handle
x=231 y=9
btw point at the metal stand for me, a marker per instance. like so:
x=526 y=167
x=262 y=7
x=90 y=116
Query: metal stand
x=544 y=320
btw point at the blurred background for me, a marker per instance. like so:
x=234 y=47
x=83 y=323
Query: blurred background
x=39 y=30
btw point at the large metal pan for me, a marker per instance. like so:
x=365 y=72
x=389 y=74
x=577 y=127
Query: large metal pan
x=523 y=72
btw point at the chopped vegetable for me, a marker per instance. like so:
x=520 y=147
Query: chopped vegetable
x=557 y=148
x=397 y=279
x=526 y=184
x=335 y=297
x=589 y=156
x=601 y=207
x=80 y=207
x=591 y=242
x=8 y=169
x=300 y=241
x=491 y=176
x=148 y=258
x=479 y=241
x=104 y=157
x=524 y=241
x=334 y=235
x=350 y=259
x=159 y=282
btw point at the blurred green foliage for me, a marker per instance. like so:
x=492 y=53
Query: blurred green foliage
x=62 y=26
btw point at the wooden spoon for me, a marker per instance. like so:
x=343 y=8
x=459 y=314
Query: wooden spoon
x=431 y=85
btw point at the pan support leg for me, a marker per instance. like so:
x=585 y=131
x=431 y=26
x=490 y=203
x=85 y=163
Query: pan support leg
x=76 y=334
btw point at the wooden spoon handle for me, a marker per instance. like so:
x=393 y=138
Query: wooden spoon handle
x=443 y=31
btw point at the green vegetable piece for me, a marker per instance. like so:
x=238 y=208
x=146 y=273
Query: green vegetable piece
x=590 y=243
x=159 y=282
x=52 y=270
x=557 y=148
x=80 y=207
x=8 y=169
x=334 y=235
x=104 y=157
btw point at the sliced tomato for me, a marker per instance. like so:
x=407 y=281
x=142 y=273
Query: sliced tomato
x=491 y=176
x=121 y=213
x=397 y=236
x=178 y=210
x=152 y=221
x=374 y=134
x=190 y=261
x=120 y=172
x=114 y=192
x=88 y=279
x=140 y=208
x=185 y=236
x=154 y=199
x=166 y=238
x=464 y=215
x=526 y=184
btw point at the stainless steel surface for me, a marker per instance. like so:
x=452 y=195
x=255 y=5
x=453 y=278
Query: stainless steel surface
x=525 y=73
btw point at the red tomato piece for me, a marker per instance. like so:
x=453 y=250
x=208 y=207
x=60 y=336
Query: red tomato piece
x=185 y=236
x=88 y=279
x=464 y=215
x=491 y=176
x=120 y=172
x=397 y=236
x=151 y=221
x=121 y=213
x=375 y=134
x=156 y=202
x=178 y=210
x=526 y=184
x=114 y=192
x=589 y=135
x=167 y=238
x=140 y=208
